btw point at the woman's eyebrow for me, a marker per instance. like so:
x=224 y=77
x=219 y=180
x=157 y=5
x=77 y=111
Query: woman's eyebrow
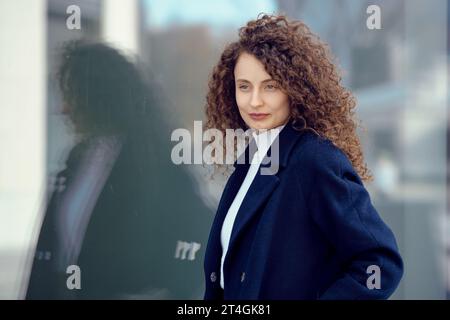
x=244 y=80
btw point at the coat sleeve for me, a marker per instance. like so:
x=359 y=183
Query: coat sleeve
x=342 y=209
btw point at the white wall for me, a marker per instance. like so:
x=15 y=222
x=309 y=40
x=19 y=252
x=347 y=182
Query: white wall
x=22 y=134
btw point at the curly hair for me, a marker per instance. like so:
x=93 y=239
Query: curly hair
x=303 y=66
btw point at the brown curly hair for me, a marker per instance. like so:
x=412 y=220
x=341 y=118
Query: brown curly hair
x=303 y=66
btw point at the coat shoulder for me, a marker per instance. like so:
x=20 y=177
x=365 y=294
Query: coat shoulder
x=313 y=151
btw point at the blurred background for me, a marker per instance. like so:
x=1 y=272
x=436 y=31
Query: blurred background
x=397 y=73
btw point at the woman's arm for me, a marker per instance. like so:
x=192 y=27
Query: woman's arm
x=342 y=209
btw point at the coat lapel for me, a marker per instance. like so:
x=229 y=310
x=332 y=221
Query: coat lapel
x=258 y=193
x=263 y=185
x=214 y=248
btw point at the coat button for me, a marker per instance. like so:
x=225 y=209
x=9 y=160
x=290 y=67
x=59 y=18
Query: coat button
x=242 y=276
x=213 y=277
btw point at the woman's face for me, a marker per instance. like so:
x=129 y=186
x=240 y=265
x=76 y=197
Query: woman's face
x=261 y=102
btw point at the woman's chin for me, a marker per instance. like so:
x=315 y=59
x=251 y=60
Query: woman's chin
x=259 y=124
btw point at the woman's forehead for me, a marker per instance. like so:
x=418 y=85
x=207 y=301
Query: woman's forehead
x=249 y=68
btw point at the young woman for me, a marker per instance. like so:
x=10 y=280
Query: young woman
x=309 y=231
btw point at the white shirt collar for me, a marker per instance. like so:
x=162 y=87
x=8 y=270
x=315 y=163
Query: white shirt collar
x=265 y=138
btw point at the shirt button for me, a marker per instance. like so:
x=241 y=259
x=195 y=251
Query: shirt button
x=213 y=277
x=242 y=276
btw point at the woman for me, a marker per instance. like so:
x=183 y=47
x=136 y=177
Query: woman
x=309 y=231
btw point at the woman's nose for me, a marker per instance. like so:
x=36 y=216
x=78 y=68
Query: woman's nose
x=256 y=100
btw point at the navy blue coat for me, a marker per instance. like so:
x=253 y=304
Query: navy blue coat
x=309 y=231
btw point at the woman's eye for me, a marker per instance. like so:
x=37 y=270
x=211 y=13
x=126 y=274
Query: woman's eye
x=243 y=87
x=271 y=87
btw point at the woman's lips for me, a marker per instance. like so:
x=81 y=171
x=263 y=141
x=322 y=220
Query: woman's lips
x=258 y=116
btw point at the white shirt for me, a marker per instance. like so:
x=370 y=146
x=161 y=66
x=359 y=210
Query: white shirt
x=263 y=141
